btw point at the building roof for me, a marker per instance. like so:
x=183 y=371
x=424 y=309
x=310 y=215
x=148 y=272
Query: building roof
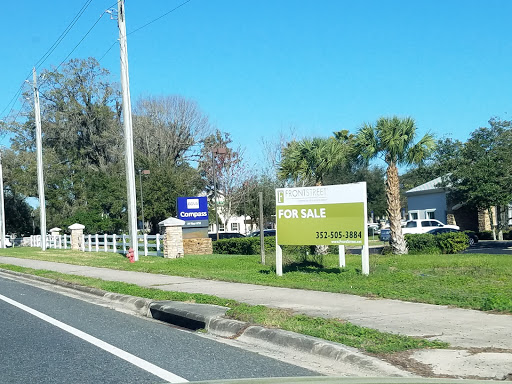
x=432 y=185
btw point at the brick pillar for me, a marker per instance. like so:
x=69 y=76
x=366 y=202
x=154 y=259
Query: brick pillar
x=450 y=219
x=484 y=222
x=77 y=234
x=173 y=237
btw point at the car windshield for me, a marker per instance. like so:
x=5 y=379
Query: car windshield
x=309 y=119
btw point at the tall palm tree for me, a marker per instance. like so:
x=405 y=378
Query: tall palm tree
x=392 y=139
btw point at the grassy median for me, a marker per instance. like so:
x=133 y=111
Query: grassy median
x=366 y=339
x=477 y=281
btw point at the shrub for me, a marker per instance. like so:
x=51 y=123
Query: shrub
x=251 y=246
x=244 y=246
x=422 y=243
x=485 y=235
x=453 y=242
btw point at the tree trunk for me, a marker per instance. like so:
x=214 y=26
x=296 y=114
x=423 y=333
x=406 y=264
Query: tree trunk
x=491 y=219
x=398 y=244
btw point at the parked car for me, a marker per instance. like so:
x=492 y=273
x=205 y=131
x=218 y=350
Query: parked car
x=225 y=235
x=266 y=232
x=473 y=238
x=424 y=225
x=385 y=234
x=7 y=242
x=373 y=228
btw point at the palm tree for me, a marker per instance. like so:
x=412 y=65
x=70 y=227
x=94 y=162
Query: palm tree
x=393 y=140
x=308 y=161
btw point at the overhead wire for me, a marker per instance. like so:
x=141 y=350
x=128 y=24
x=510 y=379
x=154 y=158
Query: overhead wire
x=66 y=31
x=47 y=54
x=63 y=34
x=144 y=26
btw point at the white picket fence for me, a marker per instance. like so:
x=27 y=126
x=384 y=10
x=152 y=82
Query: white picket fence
x=149 y=245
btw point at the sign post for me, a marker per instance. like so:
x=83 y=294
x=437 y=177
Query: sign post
x=322 y=215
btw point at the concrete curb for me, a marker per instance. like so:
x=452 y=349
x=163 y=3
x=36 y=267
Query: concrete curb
x=319 y=347
x=211 y=318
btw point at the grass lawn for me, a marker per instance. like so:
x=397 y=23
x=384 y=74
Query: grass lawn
x=477 y=281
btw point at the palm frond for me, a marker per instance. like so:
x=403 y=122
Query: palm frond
x=421 y=150
x=366 y=142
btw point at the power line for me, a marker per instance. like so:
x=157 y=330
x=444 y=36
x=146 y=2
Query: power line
x=159 y=17
x=47 y=54
x=144 y=26
x=62 y=35
x=66 y=31
x=107 y=51
x=83 y=37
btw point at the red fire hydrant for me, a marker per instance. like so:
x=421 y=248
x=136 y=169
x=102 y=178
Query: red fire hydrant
x=131 y=256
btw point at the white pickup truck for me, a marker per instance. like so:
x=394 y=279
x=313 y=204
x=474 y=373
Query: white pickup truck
x=424 y=225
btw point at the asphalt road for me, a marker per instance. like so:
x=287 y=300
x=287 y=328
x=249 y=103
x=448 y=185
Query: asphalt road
x=65 y=340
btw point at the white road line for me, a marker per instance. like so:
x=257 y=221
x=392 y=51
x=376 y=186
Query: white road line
x=143 y=364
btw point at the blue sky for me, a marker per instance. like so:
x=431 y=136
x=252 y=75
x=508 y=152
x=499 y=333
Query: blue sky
x=257 y=68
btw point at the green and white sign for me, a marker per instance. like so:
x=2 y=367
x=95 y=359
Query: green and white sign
x=321 y=224
x=322 y=215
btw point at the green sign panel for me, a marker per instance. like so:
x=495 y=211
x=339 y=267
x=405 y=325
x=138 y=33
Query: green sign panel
x=321 y=224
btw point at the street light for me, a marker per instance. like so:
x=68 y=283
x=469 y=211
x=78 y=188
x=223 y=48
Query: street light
x=142 y=172
x=216 y=151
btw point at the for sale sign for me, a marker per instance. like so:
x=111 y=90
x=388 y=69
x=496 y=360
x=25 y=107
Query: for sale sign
x=322 y=215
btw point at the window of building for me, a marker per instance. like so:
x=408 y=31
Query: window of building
x=430 y=213
x=234 y=227
x=221 y=227
x=413 y=215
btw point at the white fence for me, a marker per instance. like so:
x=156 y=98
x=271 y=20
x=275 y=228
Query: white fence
x=149 y=245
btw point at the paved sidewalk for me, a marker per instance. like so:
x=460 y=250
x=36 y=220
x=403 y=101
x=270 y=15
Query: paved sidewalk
x=478 y=331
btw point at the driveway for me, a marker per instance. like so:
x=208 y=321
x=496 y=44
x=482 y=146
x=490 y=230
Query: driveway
x=492 y=247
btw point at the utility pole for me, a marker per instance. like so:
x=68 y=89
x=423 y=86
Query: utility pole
x=128 y=132
x=39 y=149
x=2 y=211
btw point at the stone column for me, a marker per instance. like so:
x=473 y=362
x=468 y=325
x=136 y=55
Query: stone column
x=173 y=237
x=77 y=234
x=54 y=232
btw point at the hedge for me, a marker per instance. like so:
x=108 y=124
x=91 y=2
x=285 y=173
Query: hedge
x=251 y=246
x=447 y=243
x=487 y=235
